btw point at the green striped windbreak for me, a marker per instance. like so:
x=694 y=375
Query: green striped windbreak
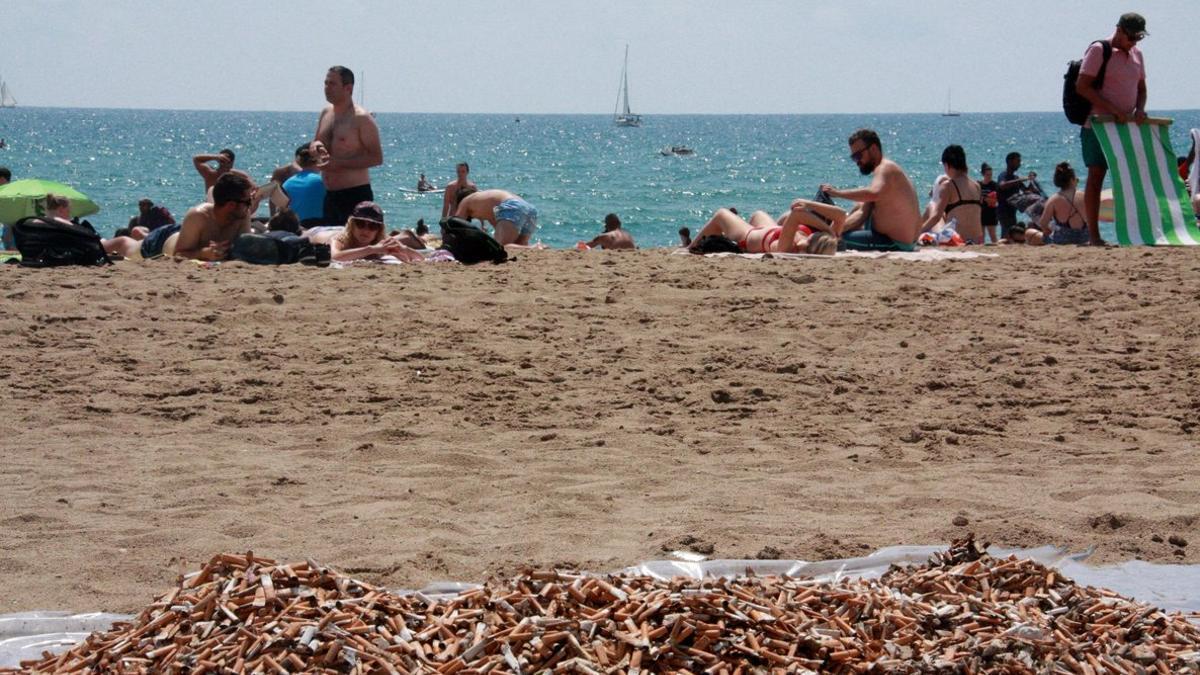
x=1150 y=203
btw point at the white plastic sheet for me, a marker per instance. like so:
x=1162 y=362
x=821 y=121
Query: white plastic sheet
x=1170 y=587
x=27 y=634
x=1175 y=588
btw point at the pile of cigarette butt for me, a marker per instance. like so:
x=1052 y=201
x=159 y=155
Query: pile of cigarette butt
x=962 y=611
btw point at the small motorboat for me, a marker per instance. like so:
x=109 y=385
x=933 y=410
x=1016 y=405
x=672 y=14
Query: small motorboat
x=676 y=150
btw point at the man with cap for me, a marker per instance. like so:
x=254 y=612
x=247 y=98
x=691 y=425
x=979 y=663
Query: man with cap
x=1122 y=95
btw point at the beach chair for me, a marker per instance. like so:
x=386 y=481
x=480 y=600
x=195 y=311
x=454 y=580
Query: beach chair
x=1150 y=203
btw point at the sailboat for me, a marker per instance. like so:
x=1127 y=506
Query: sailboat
x=6 y=97
x=626 y=118
x=362 y=91
x=950 y=112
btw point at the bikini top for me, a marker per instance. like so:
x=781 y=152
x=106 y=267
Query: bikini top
x=961 y=202
x=1074 y=212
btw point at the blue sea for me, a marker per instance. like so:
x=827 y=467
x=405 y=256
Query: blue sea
x=574 y=168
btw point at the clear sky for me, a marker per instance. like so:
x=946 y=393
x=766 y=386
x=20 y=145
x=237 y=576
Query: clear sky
x=564 y=56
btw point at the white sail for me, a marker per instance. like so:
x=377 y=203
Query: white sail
x=625 y=118
x=625 y=79
x=6 y=97
x=950 y=111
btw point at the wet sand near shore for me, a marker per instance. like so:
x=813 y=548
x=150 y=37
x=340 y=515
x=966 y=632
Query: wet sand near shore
x=422 y=423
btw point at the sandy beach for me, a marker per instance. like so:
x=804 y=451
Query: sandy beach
x=421 y=423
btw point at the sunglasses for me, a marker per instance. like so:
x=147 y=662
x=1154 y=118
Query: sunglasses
x=855 y=156
x=244 y=202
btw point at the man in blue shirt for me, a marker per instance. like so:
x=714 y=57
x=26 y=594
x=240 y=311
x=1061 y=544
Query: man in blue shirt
x=306 y=190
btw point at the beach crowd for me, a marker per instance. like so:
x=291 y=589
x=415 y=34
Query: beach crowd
x=322 y=207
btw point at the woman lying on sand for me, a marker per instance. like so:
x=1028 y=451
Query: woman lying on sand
x=362 y=238
x=59 y=208
x=809 y=227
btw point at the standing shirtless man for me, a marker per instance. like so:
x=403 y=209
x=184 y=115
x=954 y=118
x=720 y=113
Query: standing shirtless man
x=887 y=216
x=350 y=134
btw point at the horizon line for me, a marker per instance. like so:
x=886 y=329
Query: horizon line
x=963 y=113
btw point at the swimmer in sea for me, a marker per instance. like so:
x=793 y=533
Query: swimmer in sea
x=613 y=237
x=210 y=174
x=685 y=237
x=458 y=189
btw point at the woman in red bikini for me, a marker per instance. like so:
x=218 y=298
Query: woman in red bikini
x=809 y=227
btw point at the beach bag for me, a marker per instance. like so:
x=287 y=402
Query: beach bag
x=947 y=236
x=47 y=242
x=279 y=248
x=1076 y=107
x=469 y=244
x=714 y=243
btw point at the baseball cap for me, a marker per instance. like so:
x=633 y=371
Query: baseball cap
x=1134 y=24
x=368 y=211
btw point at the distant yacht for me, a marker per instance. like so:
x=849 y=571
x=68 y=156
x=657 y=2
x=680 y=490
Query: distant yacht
x=950 y=112
x=621 y=115
x=6 y=97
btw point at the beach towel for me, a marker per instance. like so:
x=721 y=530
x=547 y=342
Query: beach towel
x=929 y=254
x=1151 y=206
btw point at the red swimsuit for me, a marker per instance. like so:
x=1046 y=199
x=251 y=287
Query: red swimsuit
x=770 y=237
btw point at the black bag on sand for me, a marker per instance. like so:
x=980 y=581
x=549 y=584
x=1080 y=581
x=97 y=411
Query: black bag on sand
x=714 y=243
x=279 y=248
x=469 y=244
x=1076 y=107
x=47 y=242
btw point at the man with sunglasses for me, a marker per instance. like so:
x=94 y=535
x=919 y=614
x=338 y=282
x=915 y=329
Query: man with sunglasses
x=1122 y=95
x=888 y=215
x=208 y=230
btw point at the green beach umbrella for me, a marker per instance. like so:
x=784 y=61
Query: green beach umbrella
x=23 y=198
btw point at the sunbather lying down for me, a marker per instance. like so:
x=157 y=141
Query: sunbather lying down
x=809 y=227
